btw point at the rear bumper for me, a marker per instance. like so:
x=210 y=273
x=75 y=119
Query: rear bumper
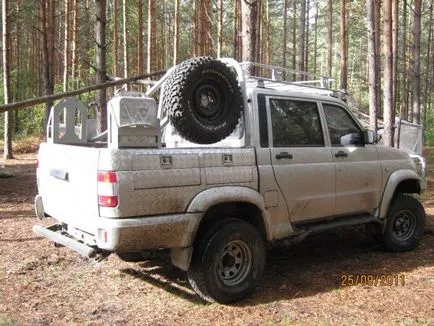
x=53 y=234
x=121 y=235
x=135 y=234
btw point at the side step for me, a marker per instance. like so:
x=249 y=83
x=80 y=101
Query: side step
x=51 y=234
x=306 y=229
x=339 y=223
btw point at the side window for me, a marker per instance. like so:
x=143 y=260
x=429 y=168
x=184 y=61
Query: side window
x=342 y=128
x=295 y=124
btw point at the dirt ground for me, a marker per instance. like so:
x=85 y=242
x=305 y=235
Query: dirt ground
x=44 y=285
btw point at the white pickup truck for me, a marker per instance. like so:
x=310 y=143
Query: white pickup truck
x=226 y=162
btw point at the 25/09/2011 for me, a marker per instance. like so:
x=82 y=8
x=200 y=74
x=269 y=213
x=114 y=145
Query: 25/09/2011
x=373 y=279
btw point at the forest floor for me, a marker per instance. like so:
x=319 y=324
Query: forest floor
x=44 y=285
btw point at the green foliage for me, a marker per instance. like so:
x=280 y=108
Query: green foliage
x=429 y=129
x=30 y=121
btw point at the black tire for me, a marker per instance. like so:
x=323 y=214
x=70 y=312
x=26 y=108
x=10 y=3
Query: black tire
x=203 y=100
x=405 y=224
x=228 y=262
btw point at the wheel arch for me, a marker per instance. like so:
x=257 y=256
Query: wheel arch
x=231 y=201
x=400 y=182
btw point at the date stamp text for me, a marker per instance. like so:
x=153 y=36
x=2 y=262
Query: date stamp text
x=373 y=279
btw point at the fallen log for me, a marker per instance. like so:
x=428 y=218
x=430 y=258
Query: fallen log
x=48 y=98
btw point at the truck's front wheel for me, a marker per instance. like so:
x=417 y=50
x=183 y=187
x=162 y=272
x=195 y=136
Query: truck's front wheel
x=405 y=224
x=227 y=262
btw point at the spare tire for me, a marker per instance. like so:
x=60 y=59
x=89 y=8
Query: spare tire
x=203 y=100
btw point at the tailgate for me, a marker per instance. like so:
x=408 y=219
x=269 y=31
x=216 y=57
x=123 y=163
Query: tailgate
x=67 y=182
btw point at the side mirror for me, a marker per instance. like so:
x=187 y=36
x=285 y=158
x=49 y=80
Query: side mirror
x=371 y=136
x=351 y=139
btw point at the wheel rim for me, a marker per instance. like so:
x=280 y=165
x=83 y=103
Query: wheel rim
x=235 y=263
x=404 y=225
x=207 y=99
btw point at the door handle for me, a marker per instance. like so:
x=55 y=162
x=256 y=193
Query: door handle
x=283 y=155
x=59 y=174
x=341 y=154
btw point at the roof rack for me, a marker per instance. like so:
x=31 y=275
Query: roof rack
x=254 y=74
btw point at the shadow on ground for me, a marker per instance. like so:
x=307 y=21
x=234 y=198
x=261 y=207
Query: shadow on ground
x=314 y=266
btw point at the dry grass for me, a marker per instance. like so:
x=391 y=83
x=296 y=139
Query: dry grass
x=26 y=145
x=43 y=285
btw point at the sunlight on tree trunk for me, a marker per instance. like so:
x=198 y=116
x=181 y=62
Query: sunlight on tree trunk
x=372 y=71
x=8 y=122
x=416 y=60
x=388 y=74
x=101 y=48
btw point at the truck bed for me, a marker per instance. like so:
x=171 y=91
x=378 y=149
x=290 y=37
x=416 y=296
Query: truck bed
x=149 y=181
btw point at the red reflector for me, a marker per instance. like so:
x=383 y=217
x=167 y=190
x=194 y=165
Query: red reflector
x=108 y=201
x=107 y=177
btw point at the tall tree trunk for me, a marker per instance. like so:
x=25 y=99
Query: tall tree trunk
x=6 y=42
x=404 y=73
x=249 y=14
x=125 y=38
x=302 y=39
x=427 y=94
x=74 y=38
x=176 y=34
x=343 y=47
x=307 y=33
x=115 y=39
x=285 y=32
x=377 y=16
x=388 y=74
x=236 y=30
x=395 y=17
x=66 y=50
x=152 y=37
x=207 y=24
x=202 y=27
x=47 y=20
x=315 y=48
x=372 y=65
x=330 y=37
x=267 y=59
x=219 y=27
x=195 y=31
x=140 y=38
x=294 y=36
x=259 y=49
x=19 y=89
x=101 y=52
x=416 y=60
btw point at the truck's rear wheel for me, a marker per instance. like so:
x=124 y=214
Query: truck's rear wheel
x=203 y=100
x=227 y=263
x=405 y=224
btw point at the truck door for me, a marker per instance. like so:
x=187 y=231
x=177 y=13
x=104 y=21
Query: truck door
x=302 y=163
x=358 y=170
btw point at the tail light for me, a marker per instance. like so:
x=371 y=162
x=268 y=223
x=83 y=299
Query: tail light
x=107 y=177
x=108 y=189
x=108 y=201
